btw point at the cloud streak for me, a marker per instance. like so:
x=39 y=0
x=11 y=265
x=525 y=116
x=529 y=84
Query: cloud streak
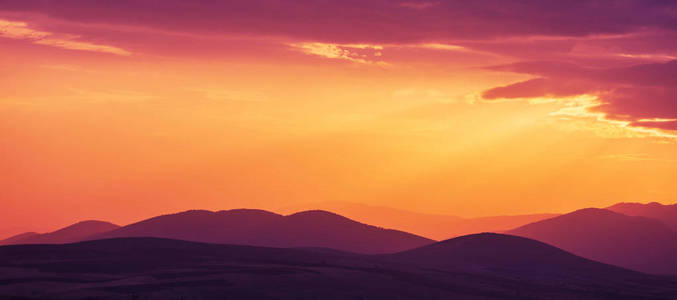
x=350 y=52
x=21 y=31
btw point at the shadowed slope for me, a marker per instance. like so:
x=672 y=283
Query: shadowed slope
x=484 y=266
x=637 y=243
x=507 y=254
x=72 y=233
x=262 y=228
x=664 y=213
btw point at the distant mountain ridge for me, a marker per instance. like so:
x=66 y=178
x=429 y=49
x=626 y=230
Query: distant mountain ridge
x=637 y=243
x=662 y=212
x=435 y=226
x=262 y=228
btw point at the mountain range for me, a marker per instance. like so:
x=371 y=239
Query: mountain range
x=262 y=228
x=629 y=235
x=432 y=226
x=244 y=227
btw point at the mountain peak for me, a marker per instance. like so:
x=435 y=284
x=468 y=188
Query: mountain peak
x=591 y=211
x=248 y=211
x=638 y=205
x=87 y=225
x=91 y=223
x=318 y=213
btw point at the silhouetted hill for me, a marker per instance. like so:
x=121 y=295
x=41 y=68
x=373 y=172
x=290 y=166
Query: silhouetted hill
x=237 y=226
x=73 y=233
x=491 y=252
x=435 y=226
x=664 y=213
x=636 y=243
x=325 y=229
x=262 y=228
x=153 y=268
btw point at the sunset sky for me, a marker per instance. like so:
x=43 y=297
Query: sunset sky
x=121 y=110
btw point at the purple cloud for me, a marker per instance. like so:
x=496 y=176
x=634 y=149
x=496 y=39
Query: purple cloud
x=376 y=21
x=636 y=93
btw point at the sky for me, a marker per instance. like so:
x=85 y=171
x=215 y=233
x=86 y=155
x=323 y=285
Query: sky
x=122 y=110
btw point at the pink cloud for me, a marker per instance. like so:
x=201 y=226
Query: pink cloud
x=635 y=93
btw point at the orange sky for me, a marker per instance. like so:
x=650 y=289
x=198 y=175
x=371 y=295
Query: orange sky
x=118 y=120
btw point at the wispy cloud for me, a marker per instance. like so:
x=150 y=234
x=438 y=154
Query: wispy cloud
x=359 y=53
x=21 y=30
x=438 y=46
x=349 y=52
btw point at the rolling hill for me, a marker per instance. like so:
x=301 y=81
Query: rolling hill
x=491 y=252
x=485 y=266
